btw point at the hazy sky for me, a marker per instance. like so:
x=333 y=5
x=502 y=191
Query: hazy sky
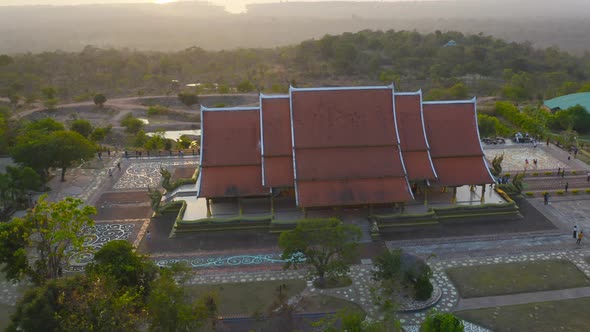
x=231 y=5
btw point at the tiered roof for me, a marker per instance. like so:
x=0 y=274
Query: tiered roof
x=277 y=153
x=230 y=153
x=340 y=146
x=346 y=147
x=451 y=127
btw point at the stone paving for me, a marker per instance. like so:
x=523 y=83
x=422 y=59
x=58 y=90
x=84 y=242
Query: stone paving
x=515 y=158
x=143 y=174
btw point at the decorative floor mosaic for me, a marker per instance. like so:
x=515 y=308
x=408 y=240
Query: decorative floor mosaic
x=224 y=261
x=94 y=239
x=147 y=174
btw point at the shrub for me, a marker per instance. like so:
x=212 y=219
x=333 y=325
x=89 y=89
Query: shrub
x=507 y=175
x=575 y=191
x=535 y=174
x=548 y=173
x=559 y=192
x=423 y=288
x=442 y=322
x=530 y=194
x=157 y=110
x=574 y=172
x=587 y=191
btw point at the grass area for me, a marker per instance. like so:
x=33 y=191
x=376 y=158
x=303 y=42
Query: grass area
x=520 y=277
x=5 y=313
x=325 y=303
x=344 y=281
x=566 y=315
x=248 y=298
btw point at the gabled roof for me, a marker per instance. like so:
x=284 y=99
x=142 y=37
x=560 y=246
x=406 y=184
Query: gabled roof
x=567 y=101
x=230 y=153
x=277 y=153
x=451 y=128
x=414 y=144
x=346 y=147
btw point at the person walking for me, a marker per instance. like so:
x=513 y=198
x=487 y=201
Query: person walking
x=110 y=172
x=575 y=231
x=566 y=186
x=546 y=198
x=588 y=177
x=119 y=166
x=580 y=236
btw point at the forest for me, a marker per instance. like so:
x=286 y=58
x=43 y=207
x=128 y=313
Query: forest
x=485 y=65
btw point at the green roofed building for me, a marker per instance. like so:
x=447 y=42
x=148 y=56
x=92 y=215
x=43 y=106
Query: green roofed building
x=567 y=101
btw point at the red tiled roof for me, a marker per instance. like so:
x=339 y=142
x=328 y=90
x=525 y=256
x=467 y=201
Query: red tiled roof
x=451 y=128
x=408 y=110
x=346 y=148
x=277 y=154
x=230 y=153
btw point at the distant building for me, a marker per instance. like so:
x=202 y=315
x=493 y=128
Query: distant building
x=450 y=43
x=340 y=146
x=567 y=101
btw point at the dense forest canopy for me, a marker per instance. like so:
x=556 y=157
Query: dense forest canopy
x=180 y=25
x=483 y=64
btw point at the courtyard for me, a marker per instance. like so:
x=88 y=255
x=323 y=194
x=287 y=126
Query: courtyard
x=235 y=258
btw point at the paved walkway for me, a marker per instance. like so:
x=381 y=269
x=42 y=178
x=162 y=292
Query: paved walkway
x=523 y=298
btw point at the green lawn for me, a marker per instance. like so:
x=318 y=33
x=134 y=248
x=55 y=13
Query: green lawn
x=248 y=298
x=566 y=315
x=511 y=278
x=5 y=312
x=258 y=297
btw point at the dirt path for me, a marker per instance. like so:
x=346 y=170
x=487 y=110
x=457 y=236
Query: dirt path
x=126 y=104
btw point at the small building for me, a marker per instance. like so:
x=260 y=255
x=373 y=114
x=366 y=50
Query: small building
x=450 y=43
x=567 y=101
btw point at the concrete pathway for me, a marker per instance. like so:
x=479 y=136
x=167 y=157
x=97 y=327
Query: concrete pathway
x=523 y=298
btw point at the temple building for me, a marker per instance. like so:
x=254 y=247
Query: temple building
x=339 y=147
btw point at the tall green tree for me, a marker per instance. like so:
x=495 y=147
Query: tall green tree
x=67 y=148
x=328 y=246
x=47 y=230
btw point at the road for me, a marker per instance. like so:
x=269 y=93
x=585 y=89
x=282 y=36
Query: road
x=126 y=104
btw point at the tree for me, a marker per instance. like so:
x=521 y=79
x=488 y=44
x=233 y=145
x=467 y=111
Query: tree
x=156 y=141
x=67 y=148
x=132 y=124
x=48 y=230
x=99 y=100
x=118 y=260
x=188 y=98
x=78 y=303
x=82 y=127
x=327 y=245
x=100 y=133
x=50 y=101
x=44 y=125
x=171 y=308
x=442 y=322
